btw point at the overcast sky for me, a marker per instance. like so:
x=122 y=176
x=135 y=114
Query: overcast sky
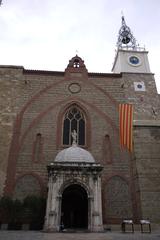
x=45 y=34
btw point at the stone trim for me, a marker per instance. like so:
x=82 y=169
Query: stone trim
x=152 y=123
x=81 y=166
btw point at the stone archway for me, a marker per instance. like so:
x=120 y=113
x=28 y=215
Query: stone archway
x=74 y=196
x=74 y=209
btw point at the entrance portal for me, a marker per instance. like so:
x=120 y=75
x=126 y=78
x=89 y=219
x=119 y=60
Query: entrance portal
x=74 y=207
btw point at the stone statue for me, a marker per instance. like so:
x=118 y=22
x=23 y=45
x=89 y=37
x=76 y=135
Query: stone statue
x=74 y=136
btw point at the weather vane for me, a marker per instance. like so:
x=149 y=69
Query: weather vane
x=122 y=13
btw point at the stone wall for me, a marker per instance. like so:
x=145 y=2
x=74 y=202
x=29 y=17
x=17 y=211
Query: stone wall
x=147 y=156
x=10 y=84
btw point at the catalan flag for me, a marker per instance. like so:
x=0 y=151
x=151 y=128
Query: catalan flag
x=126 y=125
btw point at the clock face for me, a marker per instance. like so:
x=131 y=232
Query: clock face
x=134 y=60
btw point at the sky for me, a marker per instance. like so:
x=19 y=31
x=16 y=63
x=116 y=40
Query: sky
x=46 y=34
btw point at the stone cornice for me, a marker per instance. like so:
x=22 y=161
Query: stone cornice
x=80 y=166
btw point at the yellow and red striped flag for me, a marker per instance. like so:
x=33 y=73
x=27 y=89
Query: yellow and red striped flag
x=126 y=125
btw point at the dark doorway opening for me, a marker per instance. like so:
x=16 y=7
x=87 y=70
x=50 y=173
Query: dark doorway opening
x=74 y=213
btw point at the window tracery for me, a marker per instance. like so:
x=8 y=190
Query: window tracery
x=74 y=119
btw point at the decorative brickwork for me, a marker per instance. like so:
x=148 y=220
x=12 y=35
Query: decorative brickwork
x=26 y=186
x=118 y=199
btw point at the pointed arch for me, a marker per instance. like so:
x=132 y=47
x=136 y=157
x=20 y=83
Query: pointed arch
x=26 y=184
x=73 y=116
x=117 y=195
x=74 y=119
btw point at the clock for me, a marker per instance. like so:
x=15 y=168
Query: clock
x=139 y=86
x=134 y=60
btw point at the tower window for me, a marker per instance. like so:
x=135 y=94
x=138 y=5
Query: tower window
x=74 y=120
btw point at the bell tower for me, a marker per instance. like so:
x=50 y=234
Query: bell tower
x=129 y=56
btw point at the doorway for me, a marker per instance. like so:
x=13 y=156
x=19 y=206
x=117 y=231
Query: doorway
x=74 y=210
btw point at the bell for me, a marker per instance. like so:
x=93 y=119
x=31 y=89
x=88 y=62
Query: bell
x=126 y=40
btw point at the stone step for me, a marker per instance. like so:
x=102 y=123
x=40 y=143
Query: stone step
x=75 y=230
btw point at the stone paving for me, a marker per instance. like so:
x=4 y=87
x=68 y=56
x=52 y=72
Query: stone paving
x=33 y=235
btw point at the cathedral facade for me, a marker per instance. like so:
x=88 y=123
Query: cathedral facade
x=60 y=138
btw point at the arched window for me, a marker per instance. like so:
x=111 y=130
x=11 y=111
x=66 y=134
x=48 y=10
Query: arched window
x=74 y=119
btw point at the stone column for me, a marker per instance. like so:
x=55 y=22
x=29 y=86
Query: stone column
x=52 y=208
x=97 y=224
x=48 y=205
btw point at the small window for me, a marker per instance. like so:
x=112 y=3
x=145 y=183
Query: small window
x=37 y=148
x=74 y=120
x=107 y=149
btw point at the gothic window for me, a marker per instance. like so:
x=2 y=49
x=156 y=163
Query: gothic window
x=74 y=120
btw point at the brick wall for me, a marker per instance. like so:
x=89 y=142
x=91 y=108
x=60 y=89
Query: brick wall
x=33 y=102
